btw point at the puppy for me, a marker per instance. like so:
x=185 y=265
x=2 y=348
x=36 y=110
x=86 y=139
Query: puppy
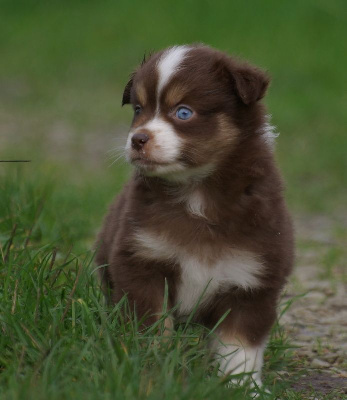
x=204 y=210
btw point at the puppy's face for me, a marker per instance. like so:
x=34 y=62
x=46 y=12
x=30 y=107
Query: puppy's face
x=185 y=102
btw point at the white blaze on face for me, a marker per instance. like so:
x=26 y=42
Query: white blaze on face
x=167 y=65
x=165 y=144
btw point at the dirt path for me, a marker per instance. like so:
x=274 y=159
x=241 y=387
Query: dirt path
x=317 y=322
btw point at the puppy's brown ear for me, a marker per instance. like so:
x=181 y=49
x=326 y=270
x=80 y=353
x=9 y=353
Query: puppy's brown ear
x=127 y=91
x=250 y=83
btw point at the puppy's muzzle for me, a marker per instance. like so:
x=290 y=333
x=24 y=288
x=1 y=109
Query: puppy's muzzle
x=138 y=140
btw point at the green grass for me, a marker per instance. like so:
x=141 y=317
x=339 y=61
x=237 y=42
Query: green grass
x=63 y=67
x=58 y=338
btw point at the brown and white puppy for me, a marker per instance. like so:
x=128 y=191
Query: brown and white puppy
x=204 y=210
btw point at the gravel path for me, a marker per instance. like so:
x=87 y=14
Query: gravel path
x=317 y=321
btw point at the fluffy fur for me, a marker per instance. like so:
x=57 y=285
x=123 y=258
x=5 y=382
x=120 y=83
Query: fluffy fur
x=204 y=209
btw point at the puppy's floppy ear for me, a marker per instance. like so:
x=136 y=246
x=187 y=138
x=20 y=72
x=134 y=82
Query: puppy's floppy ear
x=250 y=83
x=127 y=91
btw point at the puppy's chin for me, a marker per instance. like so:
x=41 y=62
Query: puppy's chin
x=173 y=172
x=155 y=168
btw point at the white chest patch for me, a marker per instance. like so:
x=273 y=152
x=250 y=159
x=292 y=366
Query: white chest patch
x=201 y=280
x=196 y=204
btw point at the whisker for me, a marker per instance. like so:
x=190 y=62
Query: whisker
x=116 y=148
x=116 y=160
x=116 y=155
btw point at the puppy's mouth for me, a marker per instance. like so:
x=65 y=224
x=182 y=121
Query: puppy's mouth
x=146 y=163
x=161 y=169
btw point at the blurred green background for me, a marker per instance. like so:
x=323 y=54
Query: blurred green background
x=64 y=64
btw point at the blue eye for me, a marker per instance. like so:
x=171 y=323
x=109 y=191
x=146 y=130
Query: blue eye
x=184 y=113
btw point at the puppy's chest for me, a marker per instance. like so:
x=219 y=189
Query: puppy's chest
x=204 y=270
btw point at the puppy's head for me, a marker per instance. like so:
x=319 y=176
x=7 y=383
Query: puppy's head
x=188 y=101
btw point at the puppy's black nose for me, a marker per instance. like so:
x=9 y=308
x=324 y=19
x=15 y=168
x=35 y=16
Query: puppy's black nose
x=138 y=140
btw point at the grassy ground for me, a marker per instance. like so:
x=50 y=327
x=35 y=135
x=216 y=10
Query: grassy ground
x=62 y=70
x=58 y=338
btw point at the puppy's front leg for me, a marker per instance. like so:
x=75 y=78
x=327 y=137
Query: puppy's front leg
x=236 y=356
x=144 y=286
x=243 y=335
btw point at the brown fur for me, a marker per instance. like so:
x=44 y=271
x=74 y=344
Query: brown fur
x=244 y=206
